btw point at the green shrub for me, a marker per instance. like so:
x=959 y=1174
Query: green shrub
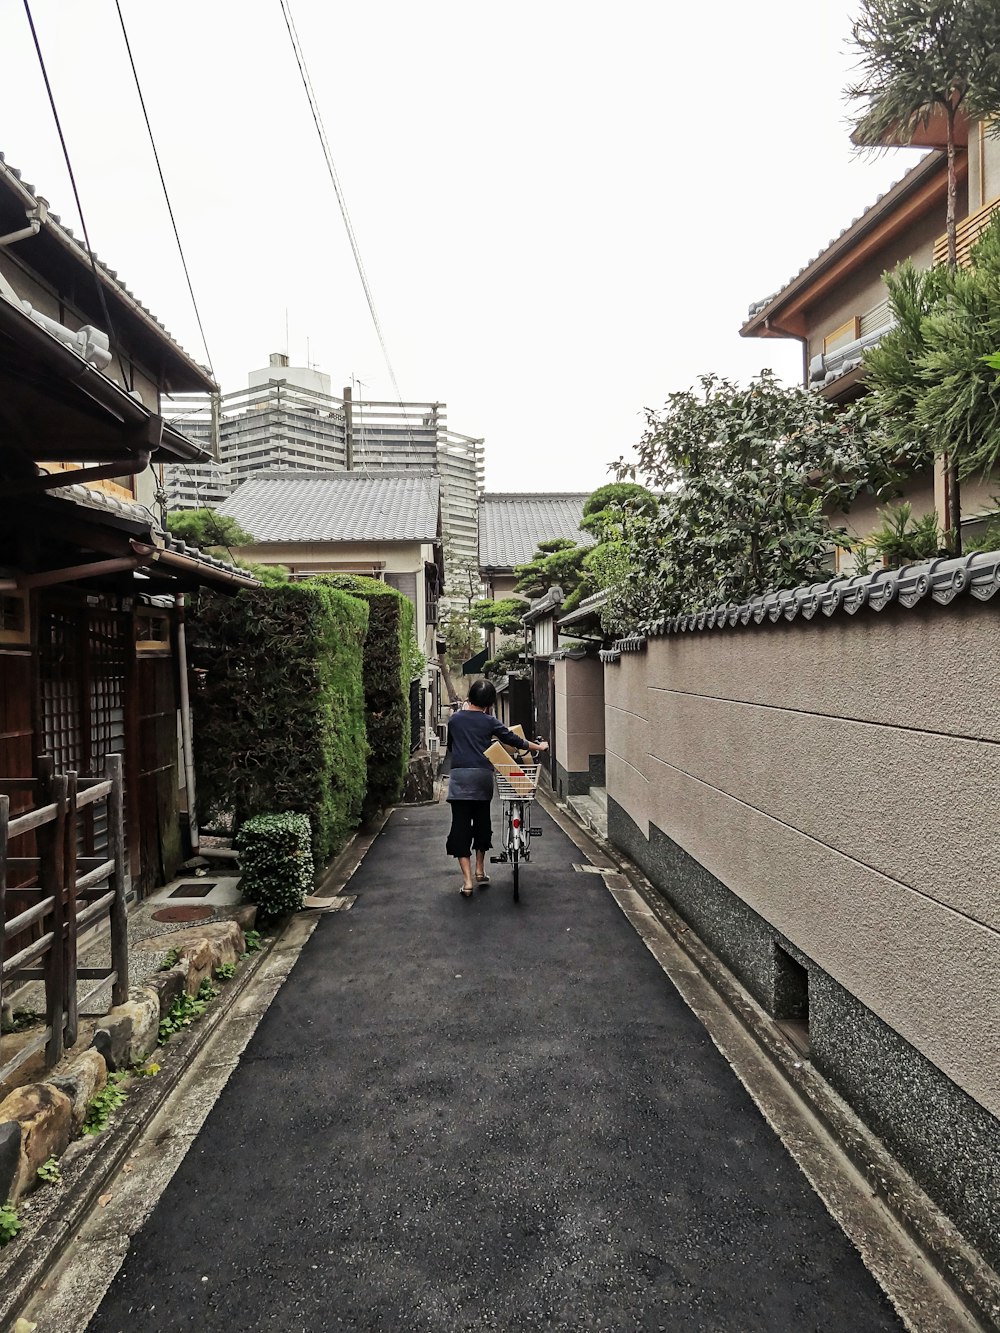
x=276 y=856
x=279 y=709
x=387 y=672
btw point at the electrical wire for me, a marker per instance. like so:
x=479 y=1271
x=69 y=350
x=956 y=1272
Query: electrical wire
x=163 y=183
x=69 y=169
x=338 y=189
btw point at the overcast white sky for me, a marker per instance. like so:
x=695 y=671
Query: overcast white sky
x=564 y=209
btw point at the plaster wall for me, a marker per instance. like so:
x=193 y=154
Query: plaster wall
x=977 y=498
x=838 y=780
x=579 y=712
x=984 y=166
x=864 y=288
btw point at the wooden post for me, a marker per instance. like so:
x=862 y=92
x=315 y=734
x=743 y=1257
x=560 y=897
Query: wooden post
x=69 y=879
x=51 y=845
x=116 y=844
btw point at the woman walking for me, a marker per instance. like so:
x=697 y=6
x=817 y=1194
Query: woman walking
x=470 y=786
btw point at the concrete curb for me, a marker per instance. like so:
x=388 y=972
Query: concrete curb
x=957 y=1261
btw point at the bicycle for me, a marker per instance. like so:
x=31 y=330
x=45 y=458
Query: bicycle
x=516 y=790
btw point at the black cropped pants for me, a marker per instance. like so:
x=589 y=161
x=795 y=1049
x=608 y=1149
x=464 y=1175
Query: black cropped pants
x=470 y=828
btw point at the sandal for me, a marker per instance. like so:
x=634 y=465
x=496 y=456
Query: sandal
x=466 y=891
x=482 y=880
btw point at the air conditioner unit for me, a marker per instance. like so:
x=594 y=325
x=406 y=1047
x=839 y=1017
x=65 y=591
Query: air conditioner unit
x=433 y=746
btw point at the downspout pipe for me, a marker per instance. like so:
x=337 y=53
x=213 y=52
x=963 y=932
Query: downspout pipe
x=185 y=700
x=36 y=216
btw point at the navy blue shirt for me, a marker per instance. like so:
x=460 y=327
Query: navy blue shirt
x=470 y=734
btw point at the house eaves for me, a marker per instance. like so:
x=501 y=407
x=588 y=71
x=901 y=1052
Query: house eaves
x=84 y=534
x=783 y=314
x=941 y=580
x=588 y=608
x=62 y=260
x=62 y=408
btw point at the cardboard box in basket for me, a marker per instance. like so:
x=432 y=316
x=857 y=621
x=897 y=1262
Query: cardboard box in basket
x=509 y=768
x=518 y=730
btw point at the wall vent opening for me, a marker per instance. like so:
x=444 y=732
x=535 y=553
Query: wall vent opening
x=791 y=999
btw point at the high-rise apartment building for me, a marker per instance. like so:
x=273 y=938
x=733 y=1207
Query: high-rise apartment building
x=288 y=420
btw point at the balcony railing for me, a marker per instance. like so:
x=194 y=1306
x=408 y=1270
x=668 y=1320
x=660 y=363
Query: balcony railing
x=967 y=233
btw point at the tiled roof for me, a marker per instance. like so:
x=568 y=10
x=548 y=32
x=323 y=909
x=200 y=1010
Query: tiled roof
x=511 y=526
x=942 y=580
x=337 y=507
x=87 y=497
x=91 y=498
x=925 y=166
x=543 y=606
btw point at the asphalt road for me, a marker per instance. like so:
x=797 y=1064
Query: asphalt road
x=471 y=1115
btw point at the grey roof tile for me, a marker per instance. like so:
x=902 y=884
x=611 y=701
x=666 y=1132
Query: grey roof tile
x=942 y=580
x=337 y=507
x=511 y=526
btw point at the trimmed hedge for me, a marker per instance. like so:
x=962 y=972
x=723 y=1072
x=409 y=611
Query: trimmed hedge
x=276 y=856
x=279 y=714
x=387 y=684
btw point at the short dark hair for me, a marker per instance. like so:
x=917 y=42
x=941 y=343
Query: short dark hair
x=483 y=694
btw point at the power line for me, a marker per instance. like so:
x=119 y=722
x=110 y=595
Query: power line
x=163 y=183
x=338 y=190
x=69 y=169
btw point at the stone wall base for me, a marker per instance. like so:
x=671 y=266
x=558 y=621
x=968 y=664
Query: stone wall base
x=942 y=1136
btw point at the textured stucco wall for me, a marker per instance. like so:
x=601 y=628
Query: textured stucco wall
x=863 y=288
x=839 y=777
x=579 y=712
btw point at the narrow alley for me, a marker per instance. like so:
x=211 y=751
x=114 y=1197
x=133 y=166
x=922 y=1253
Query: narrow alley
x=470 y=1115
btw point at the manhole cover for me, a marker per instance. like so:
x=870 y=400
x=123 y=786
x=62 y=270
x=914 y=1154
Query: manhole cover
x=201 y=888
x=191 y=913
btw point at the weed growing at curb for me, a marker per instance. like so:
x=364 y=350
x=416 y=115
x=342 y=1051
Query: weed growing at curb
x=225 y=972
x=49 y=1172
x=10 y=1224
x=171 y=959
x=252 y=942
x=185 y=1010
x=104 y=1103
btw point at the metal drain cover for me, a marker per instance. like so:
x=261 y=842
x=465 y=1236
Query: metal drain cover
x=591 y=870
x=189 y=913
x=200 y=888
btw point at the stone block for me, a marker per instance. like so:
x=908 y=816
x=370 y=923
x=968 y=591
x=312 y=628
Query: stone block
x=168 y=985
x=86 y=1076
x=245 y=916
x=200 y=960
x=419 y=784
x=128 y=1032
x=227 y=935
x=111 y=1041
x=44 y=1114
x=10 y=1158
